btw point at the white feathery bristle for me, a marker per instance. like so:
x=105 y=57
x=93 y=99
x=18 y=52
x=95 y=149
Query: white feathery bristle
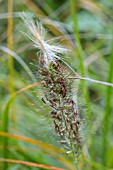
x=37 y=34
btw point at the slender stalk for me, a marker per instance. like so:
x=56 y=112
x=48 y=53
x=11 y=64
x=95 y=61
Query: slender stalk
x=92 y=80
x=107 y=117
x=80 y=52
x=80 y=55
x=11 y=72
x=10 y=45
x=10 y=58
x=77 y=37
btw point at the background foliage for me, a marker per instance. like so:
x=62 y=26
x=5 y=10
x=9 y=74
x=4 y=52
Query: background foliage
x=26 y=129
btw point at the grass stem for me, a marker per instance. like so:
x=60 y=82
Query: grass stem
x=107 y=117
x=11 y=73
x=79 y=49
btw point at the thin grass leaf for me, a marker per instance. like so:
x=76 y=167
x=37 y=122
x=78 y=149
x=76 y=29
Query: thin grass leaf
x=10 y=46
x=21 y=62
x=10 y=67
x=107 y=117
x=79 y=49
x=29 y=164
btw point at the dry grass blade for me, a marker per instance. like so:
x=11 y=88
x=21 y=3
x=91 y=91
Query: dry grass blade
x=10 y=45
x=52 y=150
x=29 y=164
x=45 y=146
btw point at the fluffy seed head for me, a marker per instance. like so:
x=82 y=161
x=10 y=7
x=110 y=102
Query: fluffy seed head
x=37 y=34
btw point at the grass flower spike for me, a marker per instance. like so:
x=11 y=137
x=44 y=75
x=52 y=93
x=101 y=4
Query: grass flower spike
x=58 y=90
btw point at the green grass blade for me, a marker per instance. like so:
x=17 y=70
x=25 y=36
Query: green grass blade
x=79 y=47
x=107 y=116
x=5 y=118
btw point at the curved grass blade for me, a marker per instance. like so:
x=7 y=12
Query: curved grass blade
x=18 y=58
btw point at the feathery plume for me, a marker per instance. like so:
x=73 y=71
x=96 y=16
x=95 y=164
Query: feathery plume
x=38 y=35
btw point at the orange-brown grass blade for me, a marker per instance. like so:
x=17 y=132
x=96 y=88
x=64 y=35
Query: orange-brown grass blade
x=29 y=164
x=52 y=150
x=10 y=46
x=42 y=145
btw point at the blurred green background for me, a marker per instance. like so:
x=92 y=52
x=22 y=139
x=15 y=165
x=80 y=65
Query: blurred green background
x=26 y=129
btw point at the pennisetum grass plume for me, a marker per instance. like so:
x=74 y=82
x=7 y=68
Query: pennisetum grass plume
x=37 y=34
x=58 y=94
